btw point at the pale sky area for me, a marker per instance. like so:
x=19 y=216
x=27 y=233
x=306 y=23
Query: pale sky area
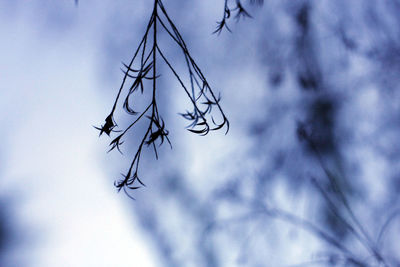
x=50 y=97
x=59 y=74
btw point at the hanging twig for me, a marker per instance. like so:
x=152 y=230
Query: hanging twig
x=201 y=118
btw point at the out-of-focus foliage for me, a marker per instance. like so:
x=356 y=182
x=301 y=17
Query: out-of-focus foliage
x=3 y=233
x=10 y=239
x=310 y=170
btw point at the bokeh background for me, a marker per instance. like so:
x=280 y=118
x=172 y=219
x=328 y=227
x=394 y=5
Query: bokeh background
x=307 y=176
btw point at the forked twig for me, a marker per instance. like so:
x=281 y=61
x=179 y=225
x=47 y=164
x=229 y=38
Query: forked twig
x=239 y=12
x=202 y=98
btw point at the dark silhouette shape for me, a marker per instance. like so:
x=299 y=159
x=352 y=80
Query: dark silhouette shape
x=306 y=55
x=203 y=99
x=240 y=11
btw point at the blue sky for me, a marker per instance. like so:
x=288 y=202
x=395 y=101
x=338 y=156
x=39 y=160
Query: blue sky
x=59 y=72
x=66 y=210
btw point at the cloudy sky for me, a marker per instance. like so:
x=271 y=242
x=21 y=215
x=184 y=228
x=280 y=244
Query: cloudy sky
x=63 y=207
x=59 y=71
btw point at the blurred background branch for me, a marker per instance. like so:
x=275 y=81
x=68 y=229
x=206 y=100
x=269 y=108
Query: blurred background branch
x=307 y=176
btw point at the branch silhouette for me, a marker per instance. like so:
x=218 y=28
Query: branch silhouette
x=205 y=103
